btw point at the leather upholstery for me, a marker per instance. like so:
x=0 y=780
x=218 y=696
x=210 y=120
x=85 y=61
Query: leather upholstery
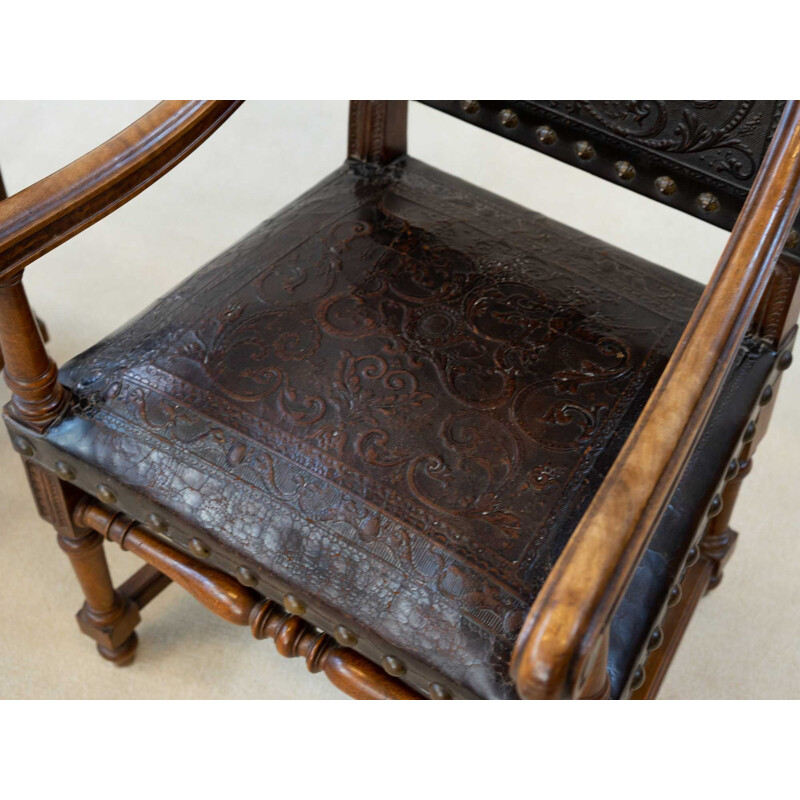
x=684 y=519
x=394 y=400
x=707 y=150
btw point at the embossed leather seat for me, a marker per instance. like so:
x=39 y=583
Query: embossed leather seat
x=393 y=402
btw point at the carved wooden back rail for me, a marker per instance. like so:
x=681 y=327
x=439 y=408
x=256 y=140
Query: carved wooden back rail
x=562 y=649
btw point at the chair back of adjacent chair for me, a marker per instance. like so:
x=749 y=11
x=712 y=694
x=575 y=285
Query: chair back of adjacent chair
x=699 y=156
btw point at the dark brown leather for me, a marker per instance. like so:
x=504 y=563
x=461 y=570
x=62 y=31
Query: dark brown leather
x=684 y=520
x=709 y=149
x=394 y=399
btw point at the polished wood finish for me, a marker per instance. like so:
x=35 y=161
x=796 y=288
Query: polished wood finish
x=37 y=398
x=107 y=616
x=218 y=592
x=777 y=313
x=241 y=605
x=144 y=585
x=563 y=647
x=42 y=327
x=39 y=218
x=570 y=615
x=377 y=130
x=596 y=684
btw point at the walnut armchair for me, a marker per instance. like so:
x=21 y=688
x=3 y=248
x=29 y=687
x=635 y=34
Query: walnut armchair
x=435 y=444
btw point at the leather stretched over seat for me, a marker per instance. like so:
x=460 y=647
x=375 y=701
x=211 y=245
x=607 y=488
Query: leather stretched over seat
x=394 y=400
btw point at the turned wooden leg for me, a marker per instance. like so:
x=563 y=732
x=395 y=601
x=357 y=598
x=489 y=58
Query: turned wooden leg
x=107 y=616
x=229 y=599
x=42 y=330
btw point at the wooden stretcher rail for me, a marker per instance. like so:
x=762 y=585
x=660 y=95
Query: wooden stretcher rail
x=144 y=585
x=557 y=649
x=345 y=668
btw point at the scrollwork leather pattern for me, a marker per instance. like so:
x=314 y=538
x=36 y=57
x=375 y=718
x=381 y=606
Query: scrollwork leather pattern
x=701 y=146
x=396 y=397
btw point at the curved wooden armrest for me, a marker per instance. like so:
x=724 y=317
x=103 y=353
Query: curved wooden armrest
x=49 y=212
x=563 y=633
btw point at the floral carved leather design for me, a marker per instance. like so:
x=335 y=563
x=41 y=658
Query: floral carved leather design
x=699 y=156
x=394 y=399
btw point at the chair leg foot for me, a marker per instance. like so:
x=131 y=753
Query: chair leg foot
x=106 y=616
x=123 y=655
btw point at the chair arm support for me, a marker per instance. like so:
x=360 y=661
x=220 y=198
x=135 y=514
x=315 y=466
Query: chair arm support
x=554 y=653
x=49 y=212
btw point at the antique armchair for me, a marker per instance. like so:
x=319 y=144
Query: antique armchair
x=435 y=444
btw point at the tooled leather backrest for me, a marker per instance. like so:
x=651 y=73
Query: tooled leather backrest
x=699 y=156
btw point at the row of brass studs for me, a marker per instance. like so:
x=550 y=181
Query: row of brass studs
x=585 y=151
x=624 y=170
x=656 y=637
x=344 y=636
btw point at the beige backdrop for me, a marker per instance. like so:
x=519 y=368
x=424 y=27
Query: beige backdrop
x=743 y=642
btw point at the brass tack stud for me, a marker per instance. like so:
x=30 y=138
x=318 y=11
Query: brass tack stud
x=105 y=494
x=785 y=361
x=23 y=446
x=508 y=118
x=715 y=507
x=394 y=666
x=293 y=605
x=470 y=106
x=656 y=637
x=345 y=636
x=546 y=135
x=637 y=681
x=438 y=692
x=749 y=432
x=584 y=150
x=665 y=185
x=692 y=556
x=766 y=396
x=65 y=471
x=156 y=524
x=245 y=577
x=733 y=469
x=708 y=202
x=199 y=549
x=625 y=170
x=793 y=239
x=674 y=595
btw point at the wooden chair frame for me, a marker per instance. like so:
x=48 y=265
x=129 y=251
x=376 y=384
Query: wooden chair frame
x=562 y=649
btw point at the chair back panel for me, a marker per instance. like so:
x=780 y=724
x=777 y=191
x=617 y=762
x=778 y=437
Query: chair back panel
x=699 y=156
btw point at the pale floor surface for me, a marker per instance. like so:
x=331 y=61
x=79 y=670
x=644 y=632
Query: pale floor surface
x=743 y=640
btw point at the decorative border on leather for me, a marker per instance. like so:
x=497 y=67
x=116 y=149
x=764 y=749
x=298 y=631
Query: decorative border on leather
x=546 y=126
